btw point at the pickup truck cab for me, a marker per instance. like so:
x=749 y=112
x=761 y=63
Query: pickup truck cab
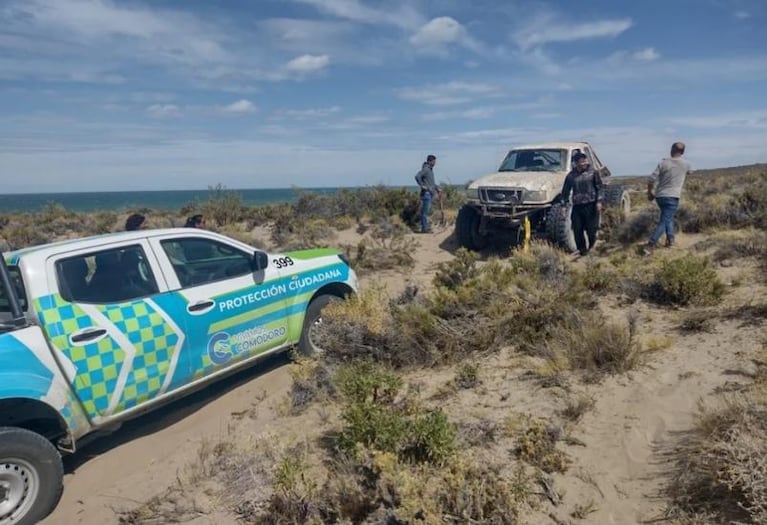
x=98 y=330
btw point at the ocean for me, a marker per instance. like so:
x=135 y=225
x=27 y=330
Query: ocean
x=134 y=200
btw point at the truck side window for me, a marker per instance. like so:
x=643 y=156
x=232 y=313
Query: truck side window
x=15 y=275
x=107 y=276
x=198 y=261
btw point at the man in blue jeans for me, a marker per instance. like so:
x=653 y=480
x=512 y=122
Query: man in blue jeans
x=429 y=190
x=665 y=187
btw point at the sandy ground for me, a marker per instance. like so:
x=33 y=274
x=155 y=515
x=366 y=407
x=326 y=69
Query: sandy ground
x=635 y=418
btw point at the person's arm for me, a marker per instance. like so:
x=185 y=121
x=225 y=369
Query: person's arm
x=652 y=182
x=419 y=178
x=599 y=187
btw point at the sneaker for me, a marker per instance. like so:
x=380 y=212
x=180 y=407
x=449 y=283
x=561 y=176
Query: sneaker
x=649 y=248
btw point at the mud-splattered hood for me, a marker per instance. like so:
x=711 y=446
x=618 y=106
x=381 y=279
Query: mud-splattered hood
x=528 y=180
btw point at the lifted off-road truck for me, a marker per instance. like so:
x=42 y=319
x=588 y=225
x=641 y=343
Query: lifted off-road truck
x=98 y=330
x=527 y=185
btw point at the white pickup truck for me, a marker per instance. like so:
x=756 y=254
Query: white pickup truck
x=527 y=185
x=98 y=330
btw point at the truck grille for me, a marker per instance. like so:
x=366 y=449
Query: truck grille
x=504 y=196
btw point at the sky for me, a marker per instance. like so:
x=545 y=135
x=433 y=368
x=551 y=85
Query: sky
x=115 y=95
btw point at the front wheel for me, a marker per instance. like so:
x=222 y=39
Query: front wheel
x=467 y=229
x=31 y=477
x=559 y=226
x=308 y=345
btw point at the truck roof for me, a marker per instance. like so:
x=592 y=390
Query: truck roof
x=554 y=145
x=44 y=251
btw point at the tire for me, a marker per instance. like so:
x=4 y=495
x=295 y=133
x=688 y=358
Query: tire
x=616 y=196
x=559 y=229
x=31 y=477
x=312 y=318
x=467 y=229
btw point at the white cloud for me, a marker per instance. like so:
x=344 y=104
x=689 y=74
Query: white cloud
x=451 y=93
x=548 y=28
x=437 y=34
x=308 y=64
x=240 y=107
x=368 y=119
x=402 y=15
x=163 y=110
x=647 y=54
x=744 y=120
x=309 y=114
x=159 y=35
x=742 y=15
x=484 y=112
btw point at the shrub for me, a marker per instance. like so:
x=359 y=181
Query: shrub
x=591 y=344
x=537 y=446
x=721 y=467
x=374 y=417
x=454 y=273
x=386 y=248
x=685 y=280
x=223 y=206
x=468 y=375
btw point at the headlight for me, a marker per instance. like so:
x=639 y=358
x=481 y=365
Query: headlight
x=536 y=196
x=472 y=194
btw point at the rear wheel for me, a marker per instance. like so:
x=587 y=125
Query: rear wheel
x=559 y=226
x=31 y=477
x=616 y=196
x=467 y=229
x=308 y=344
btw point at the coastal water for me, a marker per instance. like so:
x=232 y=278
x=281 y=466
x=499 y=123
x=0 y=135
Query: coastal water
x=135 y=200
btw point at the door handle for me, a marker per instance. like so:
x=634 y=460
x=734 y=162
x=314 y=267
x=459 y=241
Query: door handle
x=89 y=335
x=200 y=307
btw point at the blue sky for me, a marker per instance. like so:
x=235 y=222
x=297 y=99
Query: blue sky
x=135 y=95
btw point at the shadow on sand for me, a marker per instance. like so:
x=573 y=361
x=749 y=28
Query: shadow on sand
x=167 y=415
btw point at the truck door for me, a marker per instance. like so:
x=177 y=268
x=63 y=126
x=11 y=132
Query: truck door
x=232 y=312
x=103 y=317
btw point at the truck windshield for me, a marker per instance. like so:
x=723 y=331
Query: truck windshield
x=534 y=160
x=15 y=276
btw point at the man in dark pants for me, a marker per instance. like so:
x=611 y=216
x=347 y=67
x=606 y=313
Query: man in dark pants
x=585 y=185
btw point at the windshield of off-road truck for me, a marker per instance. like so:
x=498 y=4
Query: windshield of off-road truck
x=534 y=160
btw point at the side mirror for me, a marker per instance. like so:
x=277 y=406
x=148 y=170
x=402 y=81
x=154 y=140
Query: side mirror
x=604 y=172
x=260 y=261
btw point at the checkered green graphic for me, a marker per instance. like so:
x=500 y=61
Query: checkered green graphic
x=98 y=364
x=155 y=343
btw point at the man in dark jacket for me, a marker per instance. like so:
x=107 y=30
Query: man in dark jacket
x=429 y=190
x=585 y=185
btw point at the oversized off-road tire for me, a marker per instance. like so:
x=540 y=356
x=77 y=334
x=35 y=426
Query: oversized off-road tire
x=616 y=196
x=31 y=477
x=559 y=228
x=307 y=345
x=467 y=229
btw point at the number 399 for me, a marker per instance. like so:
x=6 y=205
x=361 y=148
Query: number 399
x=282 y=262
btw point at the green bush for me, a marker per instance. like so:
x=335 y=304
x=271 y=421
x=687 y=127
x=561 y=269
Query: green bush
x=374 y=417
x=686 y=280
x=454 y=273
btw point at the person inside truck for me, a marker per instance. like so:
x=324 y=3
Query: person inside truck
x=73 y=278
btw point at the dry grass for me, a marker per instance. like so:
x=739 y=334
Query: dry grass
x=720 y=470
